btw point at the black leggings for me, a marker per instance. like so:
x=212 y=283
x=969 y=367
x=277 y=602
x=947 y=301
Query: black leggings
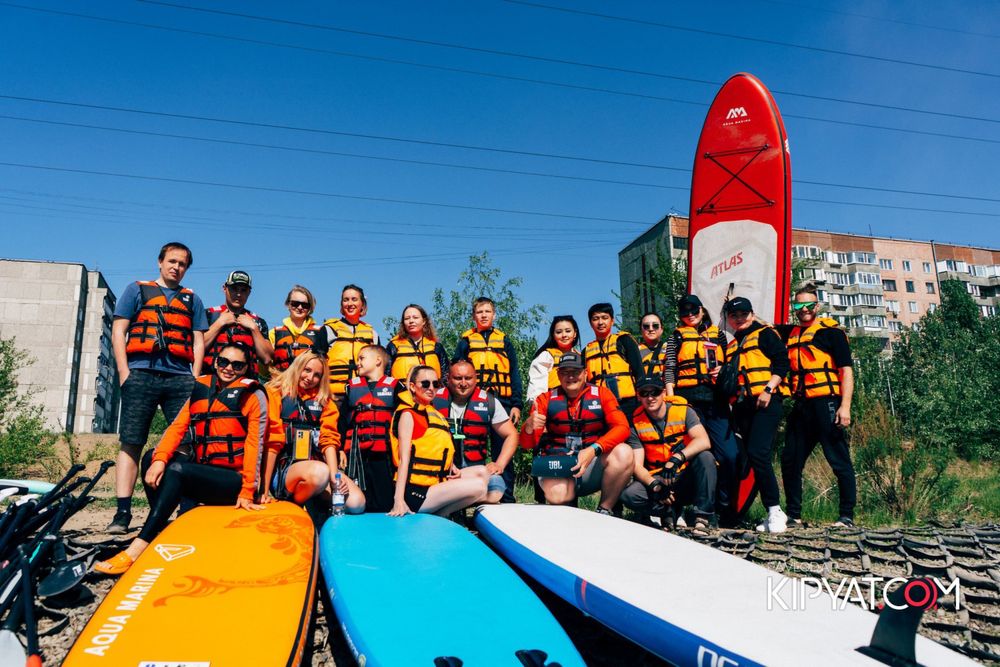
x=211 y=485
x=758 y=428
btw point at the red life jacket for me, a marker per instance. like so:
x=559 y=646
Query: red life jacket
x=160 y=325
x=297 y=414
x=218 y=426
x=371 y=411
x=475 y=425
x=288 y=345
x=589 y=422
x=234 y=333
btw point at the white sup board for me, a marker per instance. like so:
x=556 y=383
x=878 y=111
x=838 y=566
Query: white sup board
x=686 y=602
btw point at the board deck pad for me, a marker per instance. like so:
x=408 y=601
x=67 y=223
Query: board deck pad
x=683 y=601
x=220 y=586
x=741 y=210
x=410 y=589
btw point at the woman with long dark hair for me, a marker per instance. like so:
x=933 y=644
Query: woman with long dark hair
x=564 y=336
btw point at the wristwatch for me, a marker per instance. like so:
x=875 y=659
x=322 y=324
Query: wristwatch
x=768 y=389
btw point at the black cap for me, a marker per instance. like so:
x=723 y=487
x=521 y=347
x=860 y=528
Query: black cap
x=571 y=360
x=738 y=304
x=654 y=381
x=238 y=278
x=689 y=302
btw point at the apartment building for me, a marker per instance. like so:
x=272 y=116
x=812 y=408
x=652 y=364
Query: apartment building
x=61 y=314
x=872 y=285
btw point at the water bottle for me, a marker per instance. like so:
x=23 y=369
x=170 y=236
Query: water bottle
x=338 y=497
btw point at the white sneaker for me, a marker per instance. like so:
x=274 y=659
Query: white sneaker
x=681 y=523
x=776 y=521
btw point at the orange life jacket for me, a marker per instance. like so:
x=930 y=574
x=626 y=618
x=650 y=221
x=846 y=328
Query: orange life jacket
x=659 y=446
x=160 y=325
x=370 y=413
x=342 y=357
x=490 y=360
x=432 y=453
x=754 y=366
x=288 y=345
x=554 y=371
x=234 y=333
x=410 y=356
x=589 y=422
x=692 y=364
x=814 y=372
x=218 y=426
x=606 y=367
x=474 y=425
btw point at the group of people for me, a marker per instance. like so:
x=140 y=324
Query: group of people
x=309 y=409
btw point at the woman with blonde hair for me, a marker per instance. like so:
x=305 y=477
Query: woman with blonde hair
x=302 y=436
x=416 y=344
x=298 y=332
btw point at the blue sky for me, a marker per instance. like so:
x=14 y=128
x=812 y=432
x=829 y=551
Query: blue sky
x=354 y=200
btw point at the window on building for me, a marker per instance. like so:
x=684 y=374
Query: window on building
x=889 y=285
x=930 y=288
x=927 y=267
x=864 y=278
x=931 y=307
x=892 y=306
x=910 y=287
x=838 y=278
x=885 y=264
x=679 y=242
x=858 y=257
x=895 y=326
x=974 y=289
x=913 y=306
x=906 y=265
x=871 y=300
x=841 y=257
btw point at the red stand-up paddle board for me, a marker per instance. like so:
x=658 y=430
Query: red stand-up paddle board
x=740 y=233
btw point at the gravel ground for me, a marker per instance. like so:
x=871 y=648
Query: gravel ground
x=970 y=553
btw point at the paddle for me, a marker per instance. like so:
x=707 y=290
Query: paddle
x=68 y=573
x=11 y=650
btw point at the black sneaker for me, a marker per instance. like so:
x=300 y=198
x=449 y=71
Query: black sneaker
x=843 y=522
x=119 y=524
x=795 y=523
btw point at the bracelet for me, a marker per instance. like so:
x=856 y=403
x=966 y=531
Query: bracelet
x=598 y=448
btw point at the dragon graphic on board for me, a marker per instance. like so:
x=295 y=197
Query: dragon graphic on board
x=292 y=534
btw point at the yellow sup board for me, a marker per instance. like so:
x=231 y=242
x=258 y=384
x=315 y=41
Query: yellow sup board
x=219 y=586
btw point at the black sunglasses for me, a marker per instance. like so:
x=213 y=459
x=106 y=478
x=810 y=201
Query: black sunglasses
x=651 y=327
x=649 y=393
x=427 y=384
x=304 y=305
x=238 y=366
x=688 y=312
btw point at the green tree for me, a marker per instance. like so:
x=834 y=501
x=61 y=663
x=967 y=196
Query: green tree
x=667 y=283
x=24 y=440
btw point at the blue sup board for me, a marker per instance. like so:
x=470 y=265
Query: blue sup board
x=686 y=602
x=413 y=589
x=23 y=486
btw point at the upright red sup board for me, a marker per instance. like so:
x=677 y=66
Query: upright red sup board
x=741 y=203
x=740 y=234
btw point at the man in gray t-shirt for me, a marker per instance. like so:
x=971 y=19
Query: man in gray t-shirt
x=674 y=466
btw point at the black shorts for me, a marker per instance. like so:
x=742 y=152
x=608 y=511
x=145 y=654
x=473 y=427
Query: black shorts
x=143 y=392
x=415 y=495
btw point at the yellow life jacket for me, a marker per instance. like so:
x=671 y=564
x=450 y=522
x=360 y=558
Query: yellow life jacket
x=604 y=363
x=814 y=372
x=692 y=367
x=553 y=372
x=410 y=356
x=754 y=366
x=432 y=453
x=342 y=358
x=653 y=359
x=659 y=446
x=489 y=358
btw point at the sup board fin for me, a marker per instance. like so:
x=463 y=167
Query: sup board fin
x=448 y=661
x=535 y=658
x=895 y=637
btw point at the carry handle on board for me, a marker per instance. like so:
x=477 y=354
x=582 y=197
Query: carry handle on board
x=535 y=658
x=895 y=636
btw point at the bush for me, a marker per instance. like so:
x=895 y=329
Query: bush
x=24 y=440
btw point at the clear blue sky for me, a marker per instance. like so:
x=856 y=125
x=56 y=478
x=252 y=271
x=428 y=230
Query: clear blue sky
x=935 y=57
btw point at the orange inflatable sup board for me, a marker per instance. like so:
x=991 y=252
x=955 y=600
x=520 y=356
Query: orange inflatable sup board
x=220 y=586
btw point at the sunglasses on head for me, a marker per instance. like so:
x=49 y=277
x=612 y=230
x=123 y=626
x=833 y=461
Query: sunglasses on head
x=651 y=327
x=427 y=384
x=805 y=304
x=649 y=393
x=238 y=366
x=299 y=304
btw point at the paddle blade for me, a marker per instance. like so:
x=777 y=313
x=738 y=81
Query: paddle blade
x=11 y=649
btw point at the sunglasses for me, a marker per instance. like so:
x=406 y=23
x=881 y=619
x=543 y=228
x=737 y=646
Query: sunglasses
x=805 y=304
x=650 y=327
x=238 y=366
x=649 y=393
x=688 y=312
x=302 y=305
x=427 y=384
